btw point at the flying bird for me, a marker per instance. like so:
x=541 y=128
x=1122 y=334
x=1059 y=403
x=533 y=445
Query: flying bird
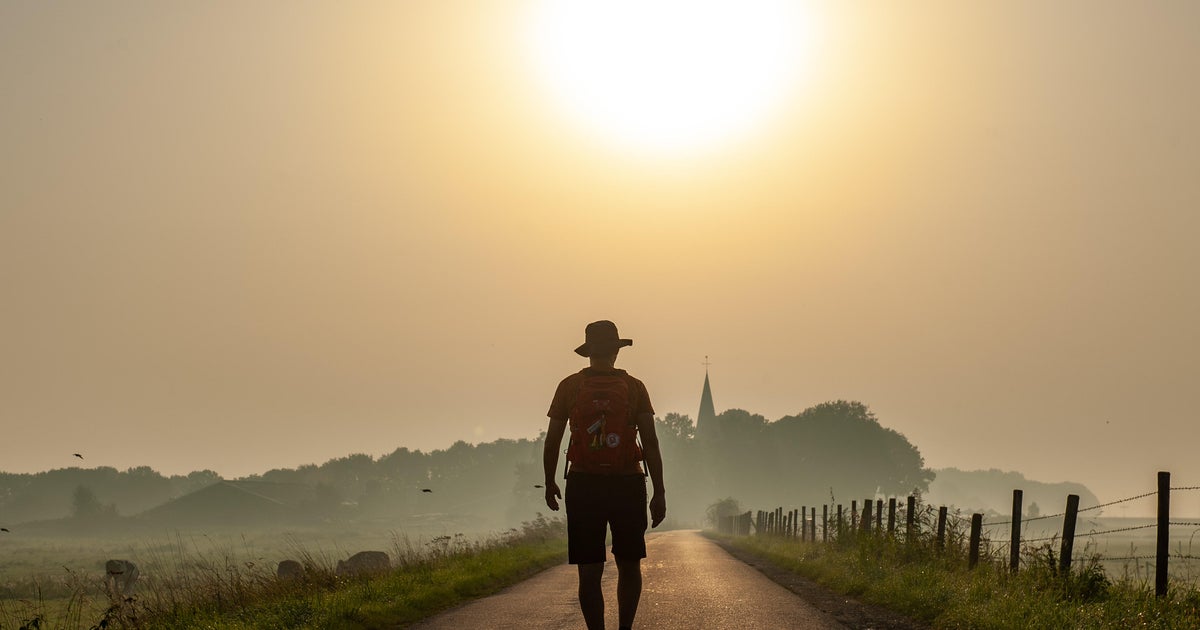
x=3 y=529
x=78 y=455
x=426 y=490
x=537 y=485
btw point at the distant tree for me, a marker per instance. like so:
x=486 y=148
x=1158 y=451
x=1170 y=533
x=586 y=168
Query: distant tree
x=181 y=485
x=731 y=453
x=674 y=426
x=798 y=459
x=841 y=444
x=85 y=505
x=1034 y=510
x=728 y=506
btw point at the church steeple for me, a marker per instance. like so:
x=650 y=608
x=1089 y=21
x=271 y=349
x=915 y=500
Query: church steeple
x=708 y=414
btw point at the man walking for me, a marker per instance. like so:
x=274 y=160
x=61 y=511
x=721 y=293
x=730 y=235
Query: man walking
x=607 y=411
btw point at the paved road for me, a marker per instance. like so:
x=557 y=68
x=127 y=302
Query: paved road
x=689 y=582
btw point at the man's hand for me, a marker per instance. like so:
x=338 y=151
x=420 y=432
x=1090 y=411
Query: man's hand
x=552 y=495
x=658 y=510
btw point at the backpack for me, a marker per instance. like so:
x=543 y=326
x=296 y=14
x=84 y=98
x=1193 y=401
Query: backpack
x=603 y=432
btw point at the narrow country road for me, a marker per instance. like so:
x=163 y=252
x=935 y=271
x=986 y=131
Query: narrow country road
x=689 y=582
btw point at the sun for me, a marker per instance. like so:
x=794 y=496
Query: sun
x=670 y=75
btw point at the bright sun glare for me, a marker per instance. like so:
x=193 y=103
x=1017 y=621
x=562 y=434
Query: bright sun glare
x=671 y=75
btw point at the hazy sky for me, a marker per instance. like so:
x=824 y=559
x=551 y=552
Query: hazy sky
x=242 y=236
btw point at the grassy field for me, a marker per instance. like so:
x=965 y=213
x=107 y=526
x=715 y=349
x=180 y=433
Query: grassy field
x=939 y=590
x=1121 y=554
x=229 y=582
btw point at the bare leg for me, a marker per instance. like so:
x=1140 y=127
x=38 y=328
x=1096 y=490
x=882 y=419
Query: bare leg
x=629 y=589
x=591 y=598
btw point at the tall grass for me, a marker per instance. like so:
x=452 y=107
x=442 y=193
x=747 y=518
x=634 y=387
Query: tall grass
x=189 y=585
x=936 y=587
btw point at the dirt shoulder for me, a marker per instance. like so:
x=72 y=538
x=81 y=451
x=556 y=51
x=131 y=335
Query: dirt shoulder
x=847 y=610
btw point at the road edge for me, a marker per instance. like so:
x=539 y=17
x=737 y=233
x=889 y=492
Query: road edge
x=845 y=609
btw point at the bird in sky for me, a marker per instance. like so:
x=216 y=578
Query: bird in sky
x=426 y=490
x=78 y=455
x=537 y=485
x=3 y=529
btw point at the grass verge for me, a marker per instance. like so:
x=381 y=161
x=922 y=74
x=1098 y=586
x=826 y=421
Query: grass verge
x=404 y=596
x=218 y=589
x=939 y=591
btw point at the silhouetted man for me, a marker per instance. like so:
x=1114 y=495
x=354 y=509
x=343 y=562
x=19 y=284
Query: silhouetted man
x=606 y=410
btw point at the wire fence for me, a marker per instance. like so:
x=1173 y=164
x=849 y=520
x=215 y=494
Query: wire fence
x=802 y=523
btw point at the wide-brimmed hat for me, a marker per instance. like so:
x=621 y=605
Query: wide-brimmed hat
x=601 y=336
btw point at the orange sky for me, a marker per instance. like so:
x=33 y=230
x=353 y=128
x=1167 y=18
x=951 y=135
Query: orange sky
x=241 y=237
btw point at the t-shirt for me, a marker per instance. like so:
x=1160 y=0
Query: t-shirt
x=568 y=389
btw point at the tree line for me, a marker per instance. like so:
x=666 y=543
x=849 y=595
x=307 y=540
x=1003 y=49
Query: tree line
x=836 y=449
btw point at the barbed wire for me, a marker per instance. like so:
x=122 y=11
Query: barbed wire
x=1108 y=559
x=1042 y=518
x=1086 y=509
x=1185 y=487
x=1125 y=500
x=1092 y=533
x=1185 y=523
x=1117 y=530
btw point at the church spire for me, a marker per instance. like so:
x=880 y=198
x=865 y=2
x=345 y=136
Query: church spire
x=708 y=414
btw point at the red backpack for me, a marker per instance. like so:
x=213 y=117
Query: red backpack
x=603 y=432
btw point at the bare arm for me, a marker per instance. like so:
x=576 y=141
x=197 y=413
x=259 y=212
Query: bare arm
x=652 y=457
x=554 y=436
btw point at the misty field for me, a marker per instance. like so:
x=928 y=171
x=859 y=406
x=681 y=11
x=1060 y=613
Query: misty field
x=229 y=580
x=1124 y=552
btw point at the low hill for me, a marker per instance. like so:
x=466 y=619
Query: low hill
x=991 y=491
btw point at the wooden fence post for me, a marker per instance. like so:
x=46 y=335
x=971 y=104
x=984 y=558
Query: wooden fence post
x=812 y=533
x=867 y=517
x=878 y=516
x=910 y=516
x=1068 y=540
x=824 y=523
x=853 y=517
x=1014 y=547
x=941 y=529
x=976 y=529
x=840 y=522
x=891 y=515
x=1164 y=518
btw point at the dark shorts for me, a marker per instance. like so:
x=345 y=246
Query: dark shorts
x=597 y=502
